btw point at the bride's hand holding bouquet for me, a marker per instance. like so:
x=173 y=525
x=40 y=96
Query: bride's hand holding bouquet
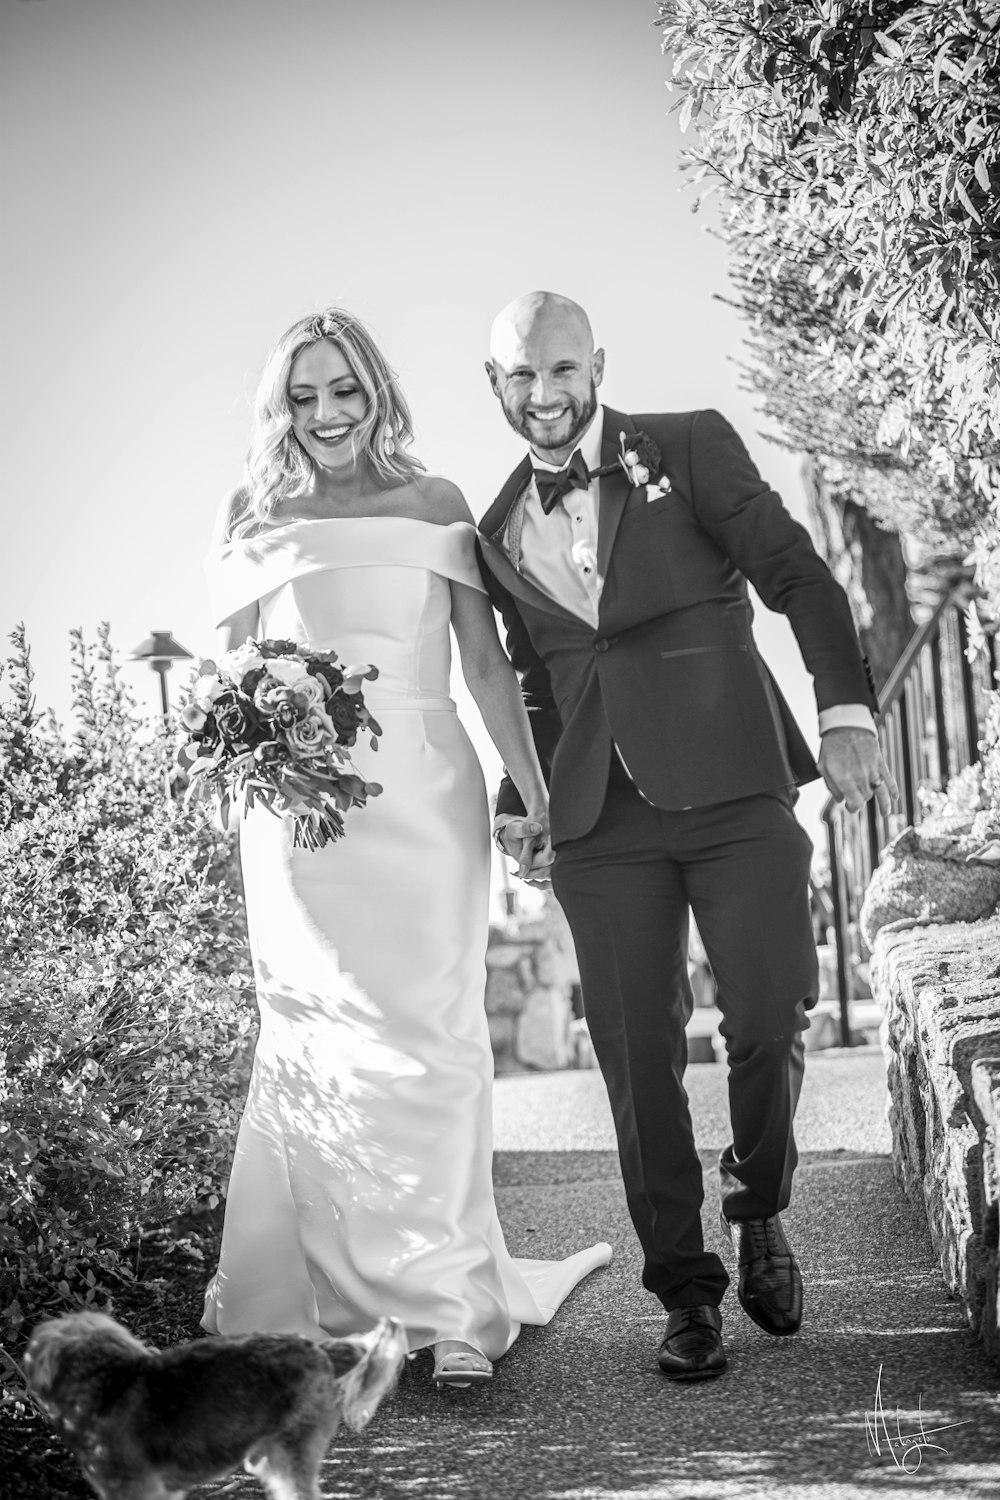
x=274 y=723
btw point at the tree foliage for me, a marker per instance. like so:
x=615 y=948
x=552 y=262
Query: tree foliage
x=855 y=149
x=126 y=1016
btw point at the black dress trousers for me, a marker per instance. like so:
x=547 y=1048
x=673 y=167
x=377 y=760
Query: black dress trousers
x=742 y=867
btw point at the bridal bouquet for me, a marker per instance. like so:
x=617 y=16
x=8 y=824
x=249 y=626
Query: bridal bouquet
x=273 y=722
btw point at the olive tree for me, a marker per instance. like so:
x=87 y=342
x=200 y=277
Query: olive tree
x=854 y=150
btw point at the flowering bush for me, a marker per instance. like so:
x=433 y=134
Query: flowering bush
x=126 y=1017
x=273 y=723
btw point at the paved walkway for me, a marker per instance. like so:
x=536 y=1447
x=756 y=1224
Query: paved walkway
x=579 y=1411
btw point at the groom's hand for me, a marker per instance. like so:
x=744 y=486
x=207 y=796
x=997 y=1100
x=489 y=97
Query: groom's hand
x=854 y=769
x=526 y=840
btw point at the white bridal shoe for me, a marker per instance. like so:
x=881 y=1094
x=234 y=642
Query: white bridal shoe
x=458 y=1364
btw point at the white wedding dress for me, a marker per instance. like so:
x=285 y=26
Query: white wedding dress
x=361 y=1184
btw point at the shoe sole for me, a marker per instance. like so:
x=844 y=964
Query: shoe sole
x=688 y=1375
x=457 y=1371
x=462 y=1379
x=776 y=1333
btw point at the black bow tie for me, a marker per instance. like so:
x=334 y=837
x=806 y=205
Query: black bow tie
x=552 y=487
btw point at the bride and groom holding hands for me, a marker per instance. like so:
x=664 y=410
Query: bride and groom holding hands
x=650 y=770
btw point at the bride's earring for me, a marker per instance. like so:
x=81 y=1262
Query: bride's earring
x=388 y=445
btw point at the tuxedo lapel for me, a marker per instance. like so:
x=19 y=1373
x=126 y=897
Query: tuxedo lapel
x=495 y=520
x=491 y=532
x=614 y=488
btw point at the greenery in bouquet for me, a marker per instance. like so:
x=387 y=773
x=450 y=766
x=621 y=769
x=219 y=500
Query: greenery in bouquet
x=274 y=723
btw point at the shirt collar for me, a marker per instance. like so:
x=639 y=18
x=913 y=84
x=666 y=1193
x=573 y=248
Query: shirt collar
x=589 y=446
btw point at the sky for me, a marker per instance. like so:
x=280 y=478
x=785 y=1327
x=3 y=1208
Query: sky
x=185 y=178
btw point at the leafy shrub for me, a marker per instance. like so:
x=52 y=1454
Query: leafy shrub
x=126 y=1022
x=855 y=149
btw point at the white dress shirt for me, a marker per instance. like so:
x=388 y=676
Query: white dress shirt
x=558 y=553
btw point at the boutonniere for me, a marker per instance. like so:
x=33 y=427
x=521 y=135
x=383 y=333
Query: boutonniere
x=640 y=459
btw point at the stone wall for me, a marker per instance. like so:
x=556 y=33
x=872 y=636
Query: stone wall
x=939 y=989
x=531 y=976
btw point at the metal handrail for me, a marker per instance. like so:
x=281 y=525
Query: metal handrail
x=930 y=721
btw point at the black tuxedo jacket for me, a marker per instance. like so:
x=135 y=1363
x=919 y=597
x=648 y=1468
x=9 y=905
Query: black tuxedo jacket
x=672 y=675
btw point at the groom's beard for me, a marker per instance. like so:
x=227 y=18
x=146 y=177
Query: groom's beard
x=581 y=415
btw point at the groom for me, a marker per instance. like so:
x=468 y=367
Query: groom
x=618 y=553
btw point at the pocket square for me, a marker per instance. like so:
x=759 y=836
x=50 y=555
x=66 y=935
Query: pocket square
x=658 y=490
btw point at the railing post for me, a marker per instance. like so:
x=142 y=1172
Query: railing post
x=968 y=690
x=871 y=811
x=836 y=898
x=944 y=757
x=909 y=797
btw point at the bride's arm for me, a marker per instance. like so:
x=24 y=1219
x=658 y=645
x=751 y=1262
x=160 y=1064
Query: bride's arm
x=493 y=684
x=234 y=631
x=245 y=622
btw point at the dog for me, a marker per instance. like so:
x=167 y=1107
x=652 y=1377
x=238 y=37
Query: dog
x=146 y=1424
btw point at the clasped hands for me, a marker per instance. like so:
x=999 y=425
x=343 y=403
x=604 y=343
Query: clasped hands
x=854 y=769
x=526 y=839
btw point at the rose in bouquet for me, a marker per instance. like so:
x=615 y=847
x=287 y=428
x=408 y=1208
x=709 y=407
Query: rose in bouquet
x=274 y=723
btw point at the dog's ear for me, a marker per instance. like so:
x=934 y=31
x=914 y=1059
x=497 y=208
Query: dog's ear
x=344 y=1354
x=373 y=1376
x=41 y=1359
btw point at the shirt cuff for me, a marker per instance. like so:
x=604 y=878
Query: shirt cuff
x=847 y=716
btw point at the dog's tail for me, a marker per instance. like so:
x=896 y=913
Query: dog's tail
x=367 y=1367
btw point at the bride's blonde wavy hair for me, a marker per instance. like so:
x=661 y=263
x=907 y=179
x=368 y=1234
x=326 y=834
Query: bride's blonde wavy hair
x=277 y=469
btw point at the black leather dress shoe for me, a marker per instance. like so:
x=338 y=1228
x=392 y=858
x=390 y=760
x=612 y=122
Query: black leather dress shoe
x=692 y=1345
x=770 y=1284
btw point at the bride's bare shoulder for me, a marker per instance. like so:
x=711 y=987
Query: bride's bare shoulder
x=433 y=498
x=233 y=507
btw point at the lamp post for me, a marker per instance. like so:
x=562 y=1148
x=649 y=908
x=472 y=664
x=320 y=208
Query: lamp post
x=161 y=651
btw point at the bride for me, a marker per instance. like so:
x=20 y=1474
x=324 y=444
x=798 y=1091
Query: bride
x=361 y=1184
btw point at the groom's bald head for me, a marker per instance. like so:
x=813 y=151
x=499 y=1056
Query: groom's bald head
x=545 y=371
x=533 y=314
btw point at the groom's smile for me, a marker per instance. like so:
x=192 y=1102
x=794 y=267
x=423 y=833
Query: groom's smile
x=547 y=426
x=547 y=418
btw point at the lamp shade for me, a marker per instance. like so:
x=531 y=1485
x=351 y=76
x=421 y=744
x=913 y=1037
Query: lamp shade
x=160 y=647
